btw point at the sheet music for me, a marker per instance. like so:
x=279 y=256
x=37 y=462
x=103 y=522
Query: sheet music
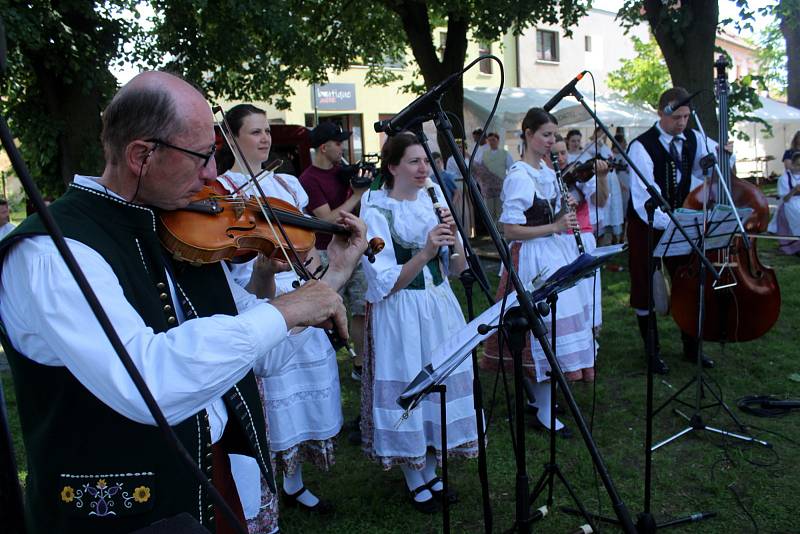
x=720 y=229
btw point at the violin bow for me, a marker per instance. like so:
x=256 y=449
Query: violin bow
x=267 y=211
x=336 y=341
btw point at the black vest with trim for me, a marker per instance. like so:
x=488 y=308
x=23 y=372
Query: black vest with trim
x=91 y=469
x=664 y=168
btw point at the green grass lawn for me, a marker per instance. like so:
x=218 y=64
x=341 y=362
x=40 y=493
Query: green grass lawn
x=698 y=472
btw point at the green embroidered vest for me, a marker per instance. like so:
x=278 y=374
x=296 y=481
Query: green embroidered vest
x=90 y=469
x=404 y=251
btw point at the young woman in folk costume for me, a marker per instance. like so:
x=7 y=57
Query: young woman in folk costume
x=533 y=221
x=302 y=399
x=411 y=311
x=786 y=220
x=593 y=191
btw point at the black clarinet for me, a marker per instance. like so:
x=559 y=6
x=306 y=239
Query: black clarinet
x=564 y=196
x=451 y=251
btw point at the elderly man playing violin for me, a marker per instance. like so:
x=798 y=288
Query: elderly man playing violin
x=96 y=462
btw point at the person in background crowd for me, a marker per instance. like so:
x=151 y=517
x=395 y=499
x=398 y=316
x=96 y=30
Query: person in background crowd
x=574 y=147
x=461 y=199
x=449 y=179
x=480 y=141
x=624 y=176
x=412 y=311
x=794 y=148
x=786 y=220
x=302 y=401
x=5 y=223
x=329 y=195
x=610 y=217
x=533 y=219
x=491 y=172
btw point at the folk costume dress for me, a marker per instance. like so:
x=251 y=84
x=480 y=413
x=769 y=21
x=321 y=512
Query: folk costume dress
x=786 y=220
x=531 y=198
x=302 y=400
x=403 y=329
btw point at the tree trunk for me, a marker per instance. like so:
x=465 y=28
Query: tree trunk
x=790 y=28
x=76 y=116
x=686 y=36
x=417 y=26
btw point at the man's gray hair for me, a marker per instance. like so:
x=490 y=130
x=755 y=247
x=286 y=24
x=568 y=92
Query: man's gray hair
x=138 y=112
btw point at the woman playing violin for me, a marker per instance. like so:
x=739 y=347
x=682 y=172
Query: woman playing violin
x=302 y=400
x=594 y=191
x=533 y=219
x=412 y=310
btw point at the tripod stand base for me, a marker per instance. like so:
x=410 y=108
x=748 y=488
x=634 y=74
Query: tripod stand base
x=645 y=522
x=696 y=423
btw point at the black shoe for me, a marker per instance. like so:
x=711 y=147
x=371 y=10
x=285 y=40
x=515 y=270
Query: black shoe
x=707 y=362
x=690 y=351
x=564 y=433
x=322 y=507
x=660 y=367
x=431 y=506
x=452 y=495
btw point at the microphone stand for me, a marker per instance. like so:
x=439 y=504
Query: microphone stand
x=533 y=322
x=645 y=520
x=474 y=272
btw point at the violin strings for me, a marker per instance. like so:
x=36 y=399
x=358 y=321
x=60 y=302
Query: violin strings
x=235 y=149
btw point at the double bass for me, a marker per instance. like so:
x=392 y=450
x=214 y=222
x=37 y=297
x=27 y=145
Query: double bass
x=746 y=301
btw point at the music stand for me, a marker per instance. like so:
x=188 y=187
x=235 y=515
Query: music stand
x=446 y=358
x=717 y=232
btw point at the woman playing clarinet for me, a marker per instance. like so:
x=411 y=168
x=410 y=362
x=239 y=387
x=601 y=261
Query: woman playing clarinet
x=411 y=311
x=533 y=220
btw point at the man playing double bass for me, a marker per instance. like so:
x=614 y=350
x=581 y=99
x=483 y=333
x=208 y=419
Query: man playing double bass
x=668 y=155
x=96 y=462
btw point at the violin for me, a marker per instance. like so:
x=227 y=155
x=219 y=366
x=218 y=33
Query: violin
x=746 y=302
x=582 y=172
x=216 y=226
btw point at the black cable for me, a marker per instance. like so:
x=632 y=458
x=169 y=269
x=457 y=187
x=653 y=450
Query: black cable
x=767 y=405
x=743 y=507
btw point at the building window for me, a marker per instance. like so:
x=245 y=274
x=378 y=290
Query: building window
x=587 y=43
x=546 y=45
x=442 y=43
x=484 y=49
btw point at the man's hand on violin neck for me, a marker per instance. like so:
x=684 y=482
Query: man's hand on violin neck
x=344 y=252
x=314 y=303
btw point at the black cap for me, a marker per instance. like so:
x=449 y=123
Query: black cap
x=328 y=131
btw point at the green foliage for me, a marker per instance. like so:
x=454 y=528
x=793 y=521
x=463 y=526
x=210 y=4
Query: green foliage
x=771 y=53
x=644 y=77
x=58 y=51
x=252 y=49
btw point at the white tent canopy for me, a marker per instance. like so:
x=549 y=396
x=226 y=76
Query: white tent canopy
x=516 y=101
x=761 y=155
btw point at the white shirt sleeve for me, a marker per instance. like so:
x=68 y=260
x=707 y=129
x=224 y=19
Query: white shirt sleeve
x=186 y=368
x=517 y=197
x=641 y=160
x=383 y=274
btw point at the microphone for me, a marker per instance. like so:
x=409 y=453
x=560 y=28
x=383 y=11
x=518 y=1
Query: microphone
x=566 y=90
x=417 y=108
x=669 y=109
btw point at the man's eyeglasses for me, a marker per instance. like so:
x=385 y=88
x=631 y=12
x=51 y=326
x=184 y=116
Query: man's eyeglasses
x=205 y=157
